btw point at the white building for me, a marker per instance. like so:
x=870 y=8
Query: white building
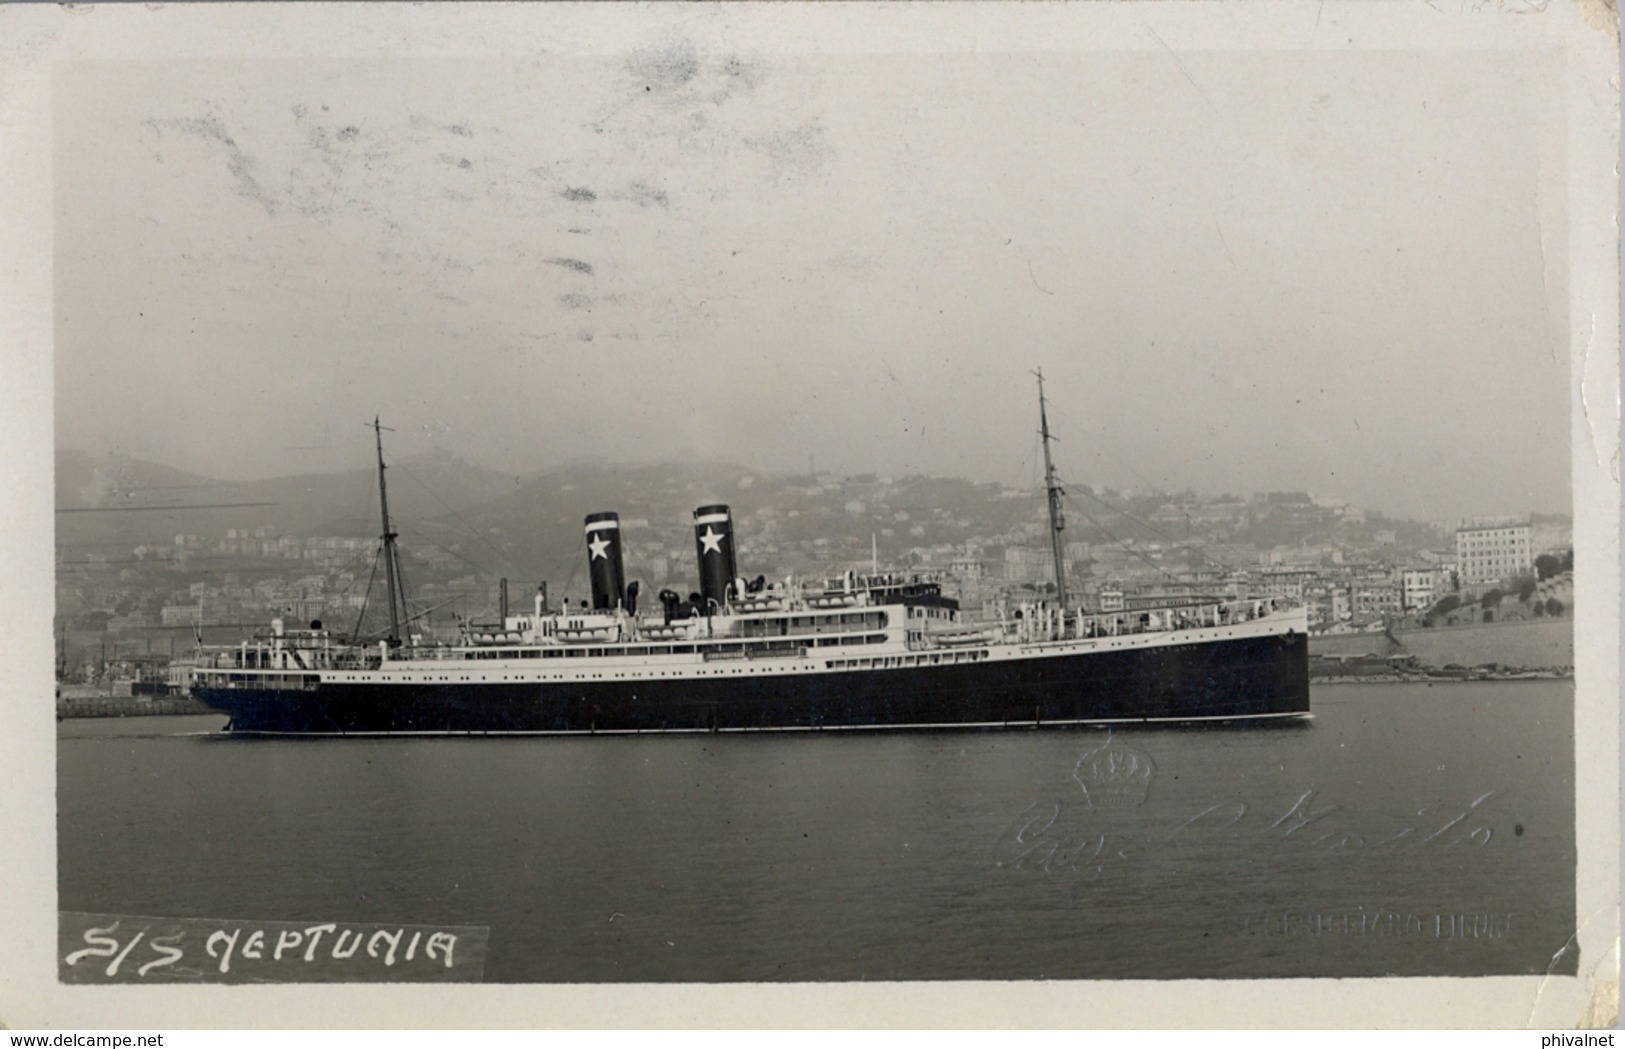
x=1024 y=564
x=1486 y=555
x=180 y=615
x=1420 y=587
x=1287 y=582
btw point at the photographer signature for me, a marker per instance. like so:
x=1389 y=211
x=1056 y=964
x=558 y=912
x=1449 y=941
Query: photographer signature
x=1051 y=836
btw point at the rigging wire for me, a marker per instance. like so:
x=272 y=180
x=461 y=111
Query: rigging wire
x=1067 y=496
x=1197 y=547
x=573 y=560
x=471 y=531
x=1075 y=430
x=479 y=568
x=407 y=614
x=575 y=566
x=1154 y=566
x=423 y=537
x=366 y=598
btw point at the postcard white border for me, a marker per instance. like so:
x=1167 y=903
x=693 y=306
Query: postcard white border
x=34 y=39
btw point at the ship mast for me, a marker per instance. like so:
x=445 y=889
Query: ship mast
x=1057 y=517
x=392 y=566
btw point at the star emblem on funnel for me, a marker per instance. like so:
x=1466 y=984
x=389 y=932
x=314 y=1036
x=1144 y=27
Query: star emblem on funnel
x=598 y=546
x=711 y=541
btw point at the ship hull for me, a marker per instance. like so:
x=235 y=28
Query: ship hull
x=1217 y=680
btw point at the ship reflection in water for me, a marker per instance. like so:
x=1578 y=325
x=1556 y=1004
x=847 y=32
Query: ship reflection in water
x=1409 y=829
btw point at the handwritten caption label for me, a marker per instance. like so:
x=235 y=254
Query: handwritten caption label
x=1049 y=837
x=123 y=948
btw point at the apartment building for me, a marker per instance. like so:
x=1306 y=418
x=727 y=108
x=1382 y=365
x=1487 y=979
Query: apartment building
x=1488 y=554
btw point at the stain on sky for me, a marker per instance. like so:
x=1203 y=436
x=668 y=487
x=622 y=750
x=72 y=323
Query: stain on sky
x=679 y=96
x=665 y=67
x=334 y=147
x=741 y=72
x=571 y=264
x=800 y=151
x=640 y=193
x=238 y=163
x=417 y=120
x=685 y=88
x=451 y=263
x=678 y=65
x=372 y=170
x=643 y=196
x=398 y=169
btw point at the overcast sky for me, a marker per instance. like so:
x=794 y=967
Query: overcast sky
x=1340 y=272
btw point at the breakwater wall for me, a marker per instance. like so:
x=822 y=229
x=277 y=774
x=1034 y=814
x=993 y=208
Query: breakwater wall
x=1520 y=643
x=115 y=706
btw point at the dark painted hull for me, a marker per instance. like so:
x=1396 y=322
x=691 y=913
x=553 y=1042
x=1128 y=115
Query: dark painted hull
x=1216 y=680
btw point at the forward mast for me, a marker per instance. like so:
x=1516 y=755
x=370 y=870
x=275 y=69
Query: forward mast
x=392 y=564
x=1057 y=515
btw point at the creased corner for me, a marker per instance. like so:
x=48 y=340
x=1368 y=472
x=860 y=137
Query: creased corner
x=1602 y=15
x=1602 y=1011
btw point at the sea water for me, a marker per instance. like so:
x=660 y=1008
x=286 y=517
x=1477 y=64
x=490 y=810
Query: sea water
x=1408 y=829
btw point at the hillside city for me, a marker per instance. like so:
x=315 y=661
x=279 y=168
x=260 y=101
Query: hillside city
x=127 y=610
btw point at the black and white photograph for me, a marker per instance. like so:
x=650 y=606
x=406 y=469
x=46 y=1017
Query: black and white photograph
x=801 y=500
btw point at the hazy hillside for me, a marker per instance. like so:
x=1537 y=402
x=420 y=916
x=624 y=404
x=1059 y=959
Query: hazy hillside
x=534 y=529
x=120 y=502
x=113 y=500
x=111 y=481
x=462 y=517
x=535 y=525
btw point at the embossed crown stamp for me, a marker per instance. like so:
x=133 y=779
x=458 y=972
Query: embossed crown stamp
x=1115 y=774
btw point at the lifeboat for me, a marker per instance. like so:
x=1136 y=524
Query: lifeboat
x=759 y=602
x=496 y=637
x=665 y=631
x=832 y=600
x=581 y=630
x=602 y=633
x=964 y=637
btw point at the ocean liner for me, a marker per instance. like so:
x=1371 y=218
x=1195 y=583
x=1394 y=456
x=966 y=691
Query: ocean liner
x=880 y=650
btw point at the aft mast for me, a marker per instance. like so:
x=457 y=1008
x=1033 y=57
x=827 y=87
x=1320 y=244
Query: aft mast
x=1057 y=516
x=392 y=565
